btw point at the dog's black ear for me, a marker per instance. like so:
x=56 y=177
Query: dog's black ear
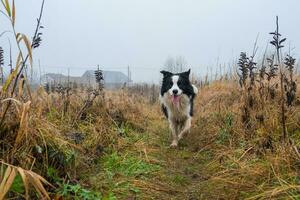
x=187 y=73
x=166 y=73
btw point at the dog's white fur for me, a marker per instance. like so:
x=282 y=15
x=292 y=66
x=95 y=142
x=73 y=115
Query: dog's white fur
x=178 y=114
x=175 y=85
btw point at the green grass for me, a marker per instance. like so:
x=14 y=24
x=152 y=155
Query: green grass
x=126 y=165
x=225 y=131
x=180 y=179
x=118 y=171
x=71 y=191
x=77 y=192
x=18 y=186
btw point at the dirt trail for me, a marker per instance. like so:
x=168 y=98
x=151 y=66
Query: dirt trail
x=145 y=167
x=182 y=171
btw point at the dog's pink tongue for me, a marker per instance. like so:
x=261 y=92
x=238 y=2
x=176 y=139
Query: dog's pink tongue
x=175 y=99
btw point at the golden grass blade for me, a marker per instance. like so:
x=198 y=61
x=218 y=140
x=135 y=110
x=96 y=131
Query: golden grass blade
x=9 y=80
x=37 y=184
x=274 y=193
x=28 y=46
x=18 y=36
x=42 y=179
x=7 y=7
x=18 y=103
x=28 y=87
x=20 y=87
x=19 y=61
x=7 y=173
x=23 y=124
x=10 y=180
x=7 y=181
x=28 y=177
x=12 y=75
x=25 y=181
x=13 y=13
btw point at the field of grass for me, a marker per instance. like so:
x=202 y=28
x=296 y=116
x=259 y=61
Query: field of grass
x=120 y=149
x=64 y=142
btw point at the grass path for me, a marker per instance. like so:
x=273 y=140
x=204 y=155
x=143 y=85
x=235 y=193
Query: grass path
x=215 y=161
x=145 y=167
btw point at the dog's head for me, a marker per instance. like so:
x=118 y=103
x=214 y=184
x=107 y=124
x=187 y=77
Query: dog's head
x=176 y=85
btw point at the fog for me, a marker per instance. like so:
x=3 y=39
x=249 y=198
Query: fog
x=114 y=34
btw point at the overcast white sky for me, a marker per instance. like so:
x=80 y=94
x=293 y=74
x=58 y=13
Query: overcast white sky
x=142 y=33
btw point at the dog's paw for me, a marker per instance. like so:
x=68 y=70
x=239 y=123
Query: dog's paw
x=174 y=144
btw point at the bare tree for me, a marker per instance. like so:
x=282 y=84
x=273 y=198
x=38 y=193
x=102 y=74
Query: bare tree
x=169 y=64
x=181 y=64
x=175 y=65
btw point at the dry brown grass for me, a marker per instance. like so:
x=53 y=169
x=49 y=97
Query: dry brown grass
x=252 y=163
x=235 y=164
x=80 y=137
x=29 y=178
x=43 y=136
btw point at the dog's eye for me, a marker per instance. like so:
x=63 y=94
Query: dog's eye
x=179 y=83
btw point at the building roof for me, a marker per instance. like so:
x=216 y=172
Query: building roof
x=110 y=77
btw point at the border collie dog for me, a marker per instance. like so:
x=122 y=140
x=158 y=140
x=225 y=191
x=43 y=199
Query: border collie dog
x=177 y=96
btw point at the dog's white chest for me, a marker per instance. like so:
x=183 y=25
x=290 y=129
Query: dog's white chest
x=178 y=111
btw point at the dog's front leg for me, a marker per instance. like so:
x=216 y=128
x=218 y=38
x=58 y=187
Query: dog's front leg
x=174 y=134
x=186 y=128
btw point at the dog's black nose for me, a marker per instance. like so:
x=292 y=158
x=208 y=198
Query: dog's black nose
x=175 y=91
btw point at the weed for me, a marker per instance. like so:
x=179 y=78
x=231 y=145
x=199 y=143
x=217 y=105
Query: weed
x=226 y=130
x=180 y=180
x=1 y=64
x=124 y=129
x=127 y=165
x=76 y=192
x=277 y=42
x=111 y=196
x=290 y=86
x=99 y=79
x=17 y=185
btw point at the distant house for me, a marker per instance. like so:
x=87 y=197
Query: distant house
x=112 y=79
x=59 y=78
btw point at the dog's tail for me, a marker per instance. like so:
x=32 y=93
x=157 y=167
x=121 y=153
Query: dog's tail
x=195 y=89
